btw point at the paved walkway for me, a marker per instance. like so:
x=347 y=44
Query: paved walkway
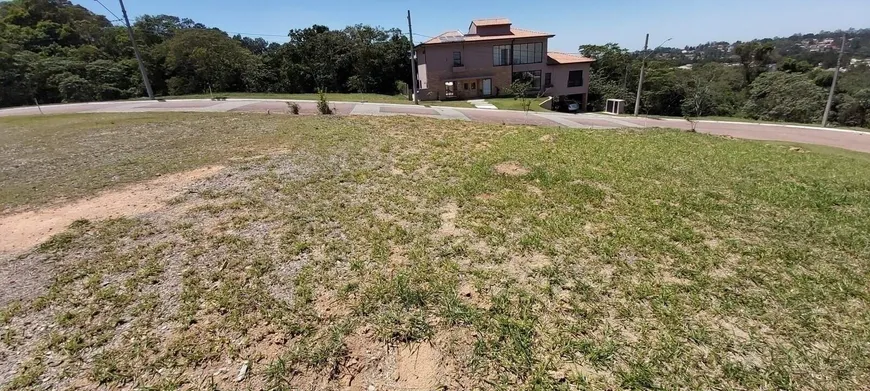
x=482 y=104
x=848 y=139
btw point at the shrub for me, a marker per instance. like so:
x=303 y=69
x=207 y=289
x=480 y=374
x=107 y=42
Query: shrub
x=74 y=88
x=323 y=104
x=402 y=87
x=294 y=107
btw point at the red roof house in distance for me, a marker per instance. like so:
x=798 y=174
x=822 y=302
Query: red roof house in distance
x=493 y=53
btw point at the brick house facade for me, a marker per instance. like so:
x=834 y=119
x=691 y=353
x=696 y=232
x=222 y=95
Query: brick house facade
x=485 y=61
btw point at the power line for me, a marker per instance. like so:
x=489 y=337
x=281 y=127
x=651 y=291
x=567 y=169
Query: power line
x=117 y=18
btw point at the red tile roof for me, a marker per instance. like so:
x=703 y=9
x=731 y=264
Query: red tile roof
x=491 y=22
x=558 y=58
x=456 y=36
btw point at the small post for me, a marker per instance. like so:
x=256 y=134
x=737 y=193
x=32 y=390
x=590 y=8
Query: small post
x=37 y=106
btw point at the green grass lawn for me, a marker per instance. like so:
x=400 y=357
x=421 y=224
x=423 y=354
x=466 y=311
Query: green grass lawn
x=516 y=104
x=332 y=97
x=403 y=253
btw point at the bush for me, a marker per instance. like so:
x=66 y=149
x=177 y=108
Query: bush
x=323 y=104
x=107 y=92
x=294 y=107
x=402 y=88
x=74 y=88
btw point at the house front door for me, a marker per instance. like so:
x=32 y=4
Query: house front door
x=487 y=87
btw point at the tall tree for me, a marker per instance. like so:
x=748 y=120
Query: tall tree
x=754 y=57
x=197 y=59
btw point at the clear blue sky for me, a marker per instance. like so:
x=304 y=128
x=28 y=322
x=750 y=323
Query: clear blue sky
x=688 y=22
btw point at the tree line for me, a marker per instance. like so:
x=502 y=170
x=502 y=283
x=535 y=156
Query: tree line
x=55 y=51
x=758 y=81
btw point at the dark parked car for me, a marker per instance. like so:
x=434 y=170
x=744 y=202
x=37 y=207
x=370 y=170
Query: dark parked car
x=567 y=106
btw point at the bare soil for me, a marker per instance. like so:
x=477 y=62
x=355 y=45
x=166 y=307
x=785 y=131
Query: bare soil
x=511 y=169
x=24 y=230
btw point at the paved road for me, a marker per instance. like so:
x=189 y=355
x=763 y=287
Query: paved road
x=853 y=140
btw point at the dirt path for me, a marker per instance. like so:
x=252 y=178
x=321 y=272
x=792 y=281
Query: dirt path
x=22 y=231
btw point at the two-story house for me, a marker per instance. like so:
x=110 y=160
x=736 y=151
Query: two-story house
x=485 y=61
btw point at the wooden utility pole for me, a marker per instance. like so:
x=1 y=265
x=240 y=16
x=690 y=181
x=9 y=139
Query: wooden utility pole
x=640 y=82
x=136 y=52
x=834 y=83
x=413 y=62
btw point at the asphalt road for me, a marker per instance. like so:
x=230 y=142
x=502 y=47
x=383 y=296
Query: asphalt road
x=847 y=139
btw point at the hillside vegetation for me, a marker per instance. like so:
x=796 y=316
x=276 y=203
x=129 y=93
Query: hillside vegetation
x=54 y=51
x=762 y=80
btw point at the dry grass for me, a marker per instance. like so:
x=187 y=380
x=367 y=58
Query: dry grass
x=347 y=252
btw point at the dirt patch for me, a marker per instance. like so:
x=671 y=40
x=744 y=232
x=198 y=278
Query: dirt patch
x=448 y=221
x=547 y=138
x=511 y=169
x=418 y=367
x=27 y=229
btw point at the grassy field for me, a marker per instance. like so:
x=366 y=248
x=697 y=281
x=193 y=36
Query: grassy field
x=332 y=97
x=516 y=104
x=406 y=252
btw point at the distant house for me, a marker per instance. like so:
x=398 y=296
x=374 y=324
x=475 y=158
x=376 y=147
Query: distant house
x=485 y=61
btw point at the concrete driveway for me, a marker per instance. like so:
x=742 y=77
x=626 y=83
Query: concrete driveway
x=847 y=139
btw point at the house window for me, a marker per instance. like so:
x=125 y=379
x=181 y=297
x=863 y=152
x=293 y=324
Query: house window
x=448 y=89
x=575 y=79
x=501 y=55
x=528 y=53
x=533 y=76
x=465 y=86
x=457 y=59
x=548 y=79
x=473 y=86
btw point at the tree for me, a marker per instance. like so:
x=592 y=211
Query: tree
x=611 y=61
x=852 y=110
x=197 y=59
x=792 y=65
x=520 y=90
x=754 y=57
x=783 y=96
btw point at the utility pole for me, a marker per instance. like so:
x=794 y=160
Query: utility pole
x=834 y=84
x=136 y=51
x=413 y=63
x=640 y=82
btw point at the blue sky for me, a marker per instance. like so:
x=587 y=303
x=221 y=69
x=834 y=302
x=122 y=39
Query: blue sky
x=574 y=22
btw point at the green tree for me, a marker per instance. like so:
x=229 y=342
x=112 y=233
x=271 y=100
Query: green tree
x=612 y=62
x=520 y=90
x=754 y=57
x=197 y=59
x=792 y=65
x=783 y=96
